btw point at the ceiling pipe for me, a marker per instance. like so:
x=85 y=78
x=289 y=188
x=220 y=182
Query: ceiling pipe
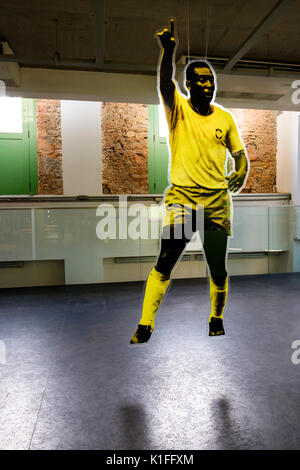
x=183 y=61
x=263 y=26
x=90 y=64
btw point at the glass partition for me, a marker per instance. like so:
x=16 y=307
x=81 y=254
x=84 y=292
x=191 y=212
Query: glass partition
x=114 y=243
x=283 y=222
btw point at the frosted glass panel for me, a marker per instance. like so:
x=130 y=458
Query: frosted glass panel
x=284 y=244
x=11 y=115
x=70 y=234
x=281 y=223
x=250 y=231
x=266 y=236
x=16 y=240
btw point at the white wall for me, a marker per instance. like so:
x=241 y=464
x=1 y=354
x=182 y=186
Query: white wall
x=81 y=147
x=288 y=168
x=288 y=179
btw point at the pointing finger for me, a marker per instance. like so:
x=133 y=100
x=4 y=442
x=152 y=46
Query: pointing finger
x=172 y=26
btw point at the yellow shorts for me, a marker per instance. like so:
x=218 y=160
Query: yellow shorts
x=183 y=202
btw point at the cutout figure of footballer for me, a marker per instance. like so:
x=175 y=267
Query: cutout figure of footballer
x=200 y=131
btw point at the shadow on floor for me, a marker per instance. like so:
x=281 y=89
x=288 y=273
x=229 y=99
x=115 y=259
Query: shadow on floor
x=134 y=427
x=229 y=434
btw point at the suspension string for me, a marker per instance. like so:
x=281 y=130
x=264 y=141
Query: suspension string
x=188 y=28
x=208 y=23
x=56 y=34
x=268 y=54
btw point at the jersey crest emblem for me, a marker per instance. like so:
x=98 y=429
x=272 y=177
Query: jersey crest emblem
x=219 y=134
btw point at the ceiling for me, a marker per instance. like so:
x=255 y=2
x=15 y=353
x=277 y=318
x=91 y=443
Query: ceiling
x=244 y=38
x=37 y=29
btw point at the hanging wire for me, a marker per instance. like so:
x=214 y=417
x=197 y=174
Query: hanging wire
x=56 y=53
x=188 y=28
x=268 y=46
x=268 y=54
x=56 y=34
x=208 y=24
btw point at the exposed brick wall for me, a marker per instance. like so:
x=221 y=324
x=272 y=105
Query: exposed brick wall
x=259 y=132
x=49 y=146
x=124 y=148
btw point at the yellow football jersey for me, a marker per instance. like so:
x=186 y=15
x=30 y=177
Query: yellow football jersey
x=198 y=144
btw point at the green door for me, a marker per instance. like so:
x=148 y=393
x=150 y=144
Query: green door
x=18 y=150
x=158 y=150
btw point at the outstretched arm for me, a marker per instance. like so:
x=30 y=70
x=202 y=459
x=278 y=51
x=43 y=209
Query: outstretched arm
x=238 y=178
x=167 y=42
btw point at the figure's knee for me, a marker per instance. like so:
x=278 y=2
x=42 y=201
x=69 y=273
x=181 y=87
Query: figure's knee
x=170 y=253
x=219 y=277
x=163 y=268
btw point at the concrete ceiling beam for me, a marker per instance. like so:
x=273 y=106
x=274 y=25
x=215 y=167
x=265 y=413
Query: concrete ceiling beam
x=89 y=64
x=263 y=26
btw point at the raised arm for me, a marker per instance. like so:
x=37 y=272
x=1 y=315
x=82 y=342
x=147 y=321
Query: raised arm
x=167 y=42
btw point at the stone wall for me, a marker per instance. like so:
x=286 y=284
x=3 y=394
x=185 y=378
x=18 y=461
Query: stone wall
x=49 y=146
x=259 y=131
x=124 y=148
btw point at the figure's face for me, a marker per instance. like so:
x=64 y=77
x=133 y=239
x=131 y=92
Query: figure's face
x=202 y=84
